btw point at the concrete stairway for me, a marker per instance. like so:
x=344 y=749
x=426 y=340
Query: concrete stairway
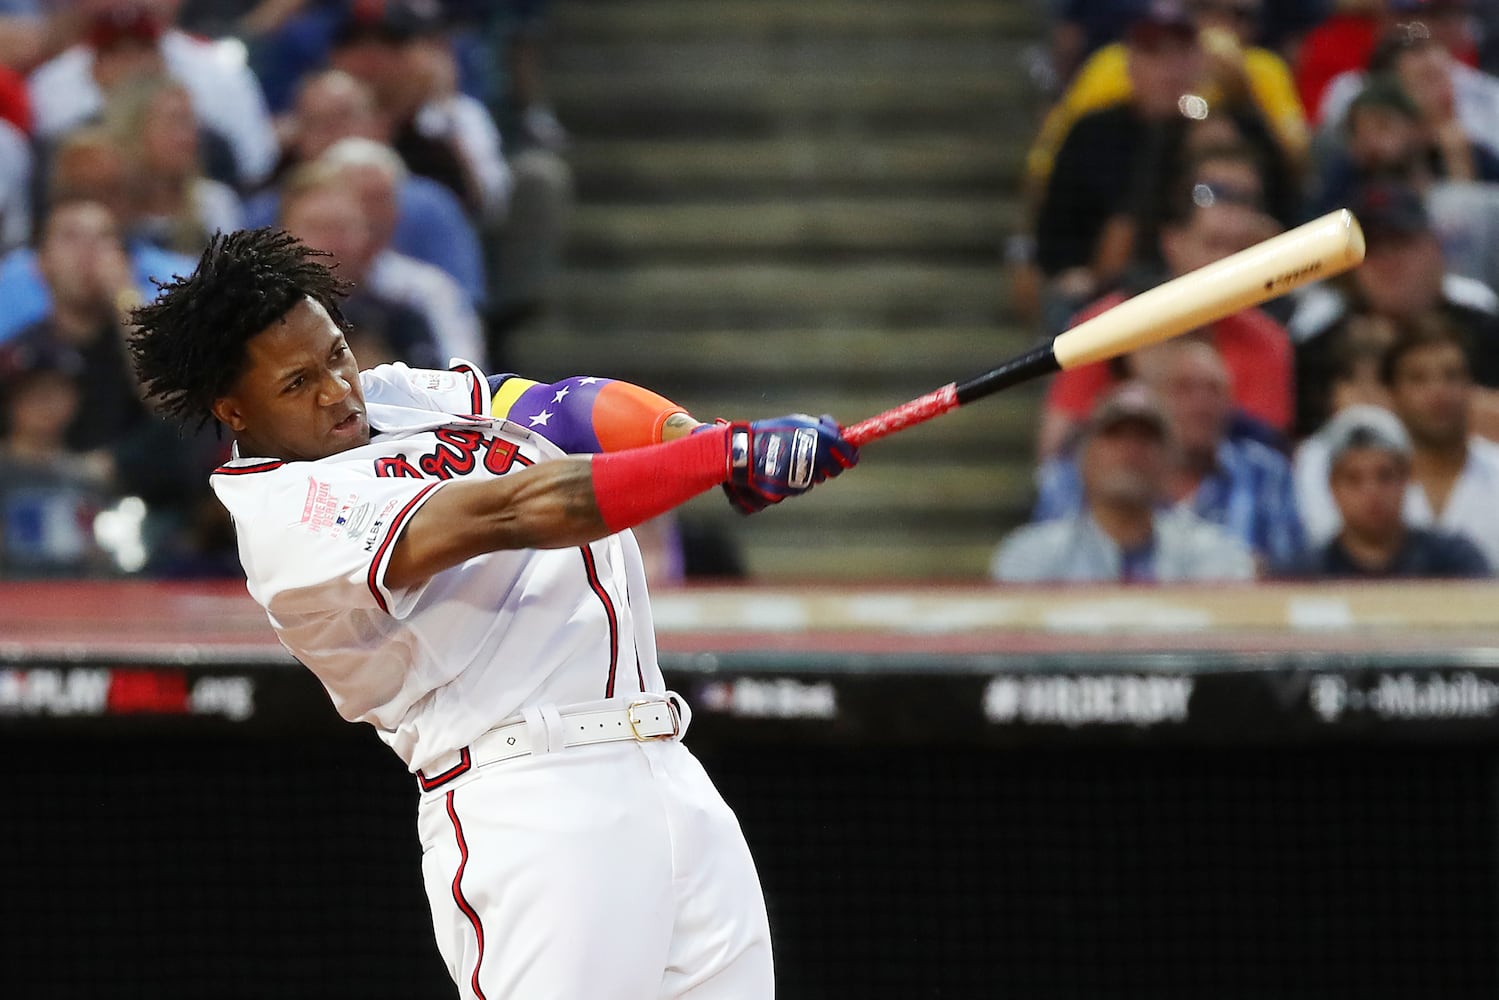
x=799 y=205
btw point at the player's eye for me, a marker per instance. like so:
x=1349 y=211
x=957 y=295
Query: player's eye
x=294 y=384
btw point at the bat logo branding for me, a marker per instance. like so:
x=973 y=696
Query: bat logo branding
x=1294 y=277
x=803 y=453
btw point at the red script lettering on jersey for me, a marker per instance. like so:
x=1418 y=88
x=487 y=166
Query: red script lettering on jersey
x=455 y=455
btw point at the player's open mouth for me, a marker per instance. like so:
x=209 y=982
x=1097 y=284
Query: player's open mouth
x=349 y=424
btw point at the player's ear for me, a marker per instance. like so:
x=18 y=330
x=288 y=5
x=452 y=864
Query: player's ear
x=227 y=411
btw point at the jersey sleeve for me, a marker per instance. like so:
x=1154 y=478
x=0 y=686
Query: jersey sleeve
x=584 y=415
x=462 y=389
x=314 y=541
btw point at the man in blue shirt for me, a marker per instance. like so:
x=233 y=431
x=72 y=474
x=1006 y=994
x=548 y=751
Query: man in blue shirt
x=1240 y=484
x=1122 y=533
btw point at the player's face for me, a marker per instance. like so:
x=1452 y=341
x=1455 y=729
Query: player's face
x=299 y=397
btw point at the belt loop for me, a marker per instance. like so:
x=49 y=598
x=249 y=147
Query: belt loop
x=683 y=710
x=537 y=730
x=556 y=735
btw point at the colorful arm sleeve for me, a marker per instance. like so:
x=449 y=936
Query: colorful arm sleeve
x=583 y=414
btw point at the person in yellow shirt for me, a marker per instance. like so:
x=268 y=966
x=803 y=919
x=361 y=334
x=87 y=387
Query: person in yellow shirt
x=1236 y=72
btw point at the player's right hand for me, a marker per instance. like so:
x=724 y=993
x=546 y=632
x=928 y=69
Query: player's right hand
x=770 y=460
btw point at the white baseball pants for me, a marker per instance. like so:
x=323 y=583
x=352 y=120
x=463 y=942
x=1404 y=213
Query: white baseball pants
x=606 y=872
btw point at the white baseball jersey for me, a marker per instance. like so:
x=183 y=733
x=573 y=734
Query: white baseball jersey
x=433 y=666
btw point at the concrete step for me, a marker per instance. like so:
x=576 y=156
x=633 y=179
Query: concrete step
x=813 y=89
x=740 y=57
x=881 y=520
x=788 y=542
x=885 y=164
x=699 y=231
x=704 y=103
x=676 y=297
x=611 y=20
x=909 y=355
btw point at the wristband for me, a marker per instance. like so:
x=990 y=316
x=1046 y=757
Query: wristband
x=635 y=485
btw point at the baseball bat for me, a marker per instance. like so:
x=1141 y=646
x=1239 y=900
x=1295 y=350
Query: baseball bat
x=1315 y=250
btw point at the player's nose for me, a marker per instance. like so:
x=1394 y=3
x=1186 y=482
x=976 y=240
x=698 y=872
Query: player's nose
x=335 y=388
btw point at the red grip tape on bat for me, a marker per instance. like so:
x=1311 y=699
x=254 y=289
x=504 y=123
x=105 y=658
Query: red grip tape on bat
x=918 y=410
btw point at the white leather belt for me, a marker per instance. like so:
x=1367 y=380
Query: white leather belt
x=644 y=720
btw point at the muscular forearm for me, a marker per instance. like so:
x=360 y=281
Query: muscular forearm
x=549 y=505
x=556 y=504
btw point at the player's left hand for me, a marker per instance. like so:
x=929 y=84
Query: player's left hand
x=771 y=460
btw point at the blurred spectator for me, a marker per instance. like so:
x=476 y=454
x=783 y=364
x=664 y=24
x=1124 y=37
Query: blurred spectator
x=33 y=31
x=402 y=51
x=1454 y=473
x=1340 y=44
x=90 y=288
x=175 y=206
x=1403 y=277
x=518 y=31
x=1465 y=218
x=1082 y=27
x=1231 y=73
x=386 y=45
x=87 y=165
x=49 y=494
x=1487 y=12
x=82 y=259
x=1388 y=137
x=1451 y=23
x=1426 y=72
x=16 y=163
x=326 y=214
x=1203 y=228
x=1121 y=533
x=1240 y=484
x=1453 y=97
x=1285 y=24
x=1368 y=475
x=464 y=121
x=130 y=38
x=430 y=223
x=1343 y=42
x=1228 y=171
x=373 y=172
x=1109 y=155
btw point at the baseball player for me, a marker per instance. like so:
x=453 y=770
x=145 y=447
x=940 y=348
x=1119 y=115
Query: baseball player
x=450 y=554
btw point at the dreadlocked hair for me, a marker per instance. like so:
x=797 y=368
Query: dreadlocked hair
x=188 y=347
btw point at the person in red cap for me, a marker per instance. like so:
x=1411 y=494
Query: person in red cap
x=125 y=39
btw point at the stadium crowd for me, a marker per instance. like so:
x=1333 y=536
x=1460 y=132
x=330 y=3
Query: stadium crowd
x=1346 y=431
x=407 y=138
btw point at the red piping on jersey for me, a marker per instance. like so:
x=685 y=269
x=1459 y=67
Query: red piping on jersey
x=475 y=381
x=373 y=579
x=598 y=588
x=437 y=781
x=463 y=904
x=245 y=470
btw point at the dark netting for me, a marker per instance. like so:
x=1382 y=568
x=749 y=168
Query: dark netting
x=240 y=869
